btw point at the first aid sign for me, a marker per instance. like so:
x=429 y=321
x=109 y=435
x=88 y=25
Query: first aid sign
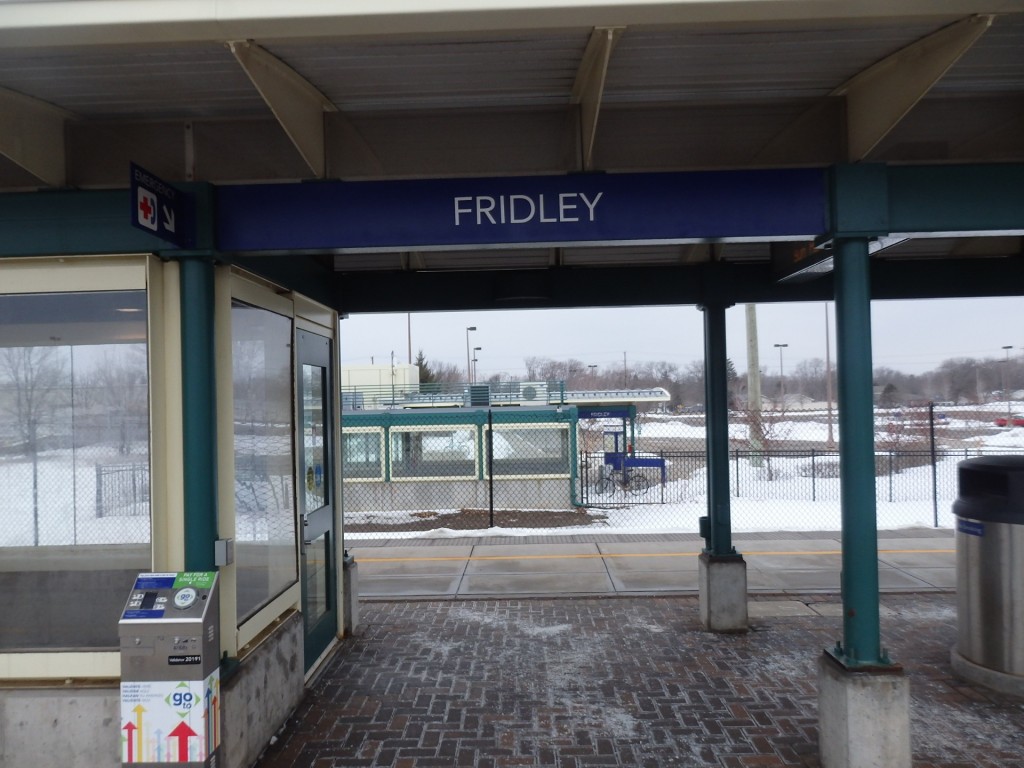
x=159 y=208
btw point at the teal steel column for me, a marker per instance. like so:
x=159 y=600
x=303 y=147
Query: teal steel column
x=716 y=419
x=199 y=411
x=861 y=643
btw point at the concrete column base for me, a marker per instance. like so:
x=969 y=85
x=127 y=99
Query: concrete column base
x=863 y=717
x=722 y=581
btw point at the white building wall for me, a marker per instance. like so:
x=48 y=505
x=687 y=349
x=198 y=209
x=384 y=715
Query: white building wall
x=379 y=376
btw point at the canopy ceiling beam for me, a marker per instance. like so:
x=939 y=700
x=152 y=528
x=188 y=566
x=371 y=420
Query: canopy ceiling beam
x=32 y=136
x=875 y=100
x=296 y=103
x=880 y=96
x=588 y=89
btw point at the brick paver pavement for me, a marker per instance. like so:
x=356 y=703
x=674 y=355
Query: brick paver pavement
x=620 y=682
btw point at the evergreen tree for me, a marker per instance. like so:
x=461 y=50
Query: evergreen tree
x=427 y=375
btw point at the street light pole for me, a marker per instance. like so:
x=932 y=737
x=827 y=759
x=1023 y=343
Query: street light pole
x=1006 y=367
x=475 y=350
x=782 y=376
x=469 y=370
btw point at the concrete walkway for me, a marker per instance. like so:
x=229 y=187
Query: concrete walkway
x=910 y=560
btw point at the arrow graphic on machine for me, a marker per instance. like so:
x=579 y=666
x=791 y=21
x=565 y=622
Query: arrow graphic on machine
x=135 y=735
x=130 y=741
x=182 y=733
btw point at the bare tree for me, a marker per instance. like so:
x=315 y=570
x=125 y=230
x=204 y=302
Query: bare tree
x=120 y=384
x=35 y=380
x=769 y=429
x=447 y=372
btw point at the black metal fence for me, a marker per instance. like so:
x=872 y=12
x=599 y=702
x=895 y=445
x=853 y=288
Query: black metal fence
x=122 y=490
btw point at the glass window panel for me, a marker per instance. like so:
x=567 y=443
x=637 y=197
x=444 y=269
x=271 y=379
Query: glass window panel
x=361 y=455
x=527 y=451
x=317 y=577
x=434 y=453
x=265 y=544
x=314 y=410
x=74 y=465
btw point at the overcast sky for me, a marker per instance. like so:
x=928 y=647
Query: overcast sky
x=910 y=336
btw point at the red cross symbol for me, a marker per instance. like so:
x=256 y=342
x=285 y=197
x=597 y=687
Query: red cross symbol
x=147 y=209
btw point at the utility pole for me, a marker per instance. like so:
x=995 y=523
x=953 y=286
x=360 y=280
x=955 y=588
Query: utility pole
x=753 y=385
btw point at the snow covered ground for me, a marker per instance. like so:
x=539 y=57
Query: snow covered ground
x=788 y=499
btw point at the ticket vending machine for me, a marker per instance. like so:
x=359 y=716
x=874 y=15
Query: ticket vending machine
x=170 y=671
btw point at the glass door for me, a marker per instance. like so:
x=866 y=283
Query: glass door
x=316 y=494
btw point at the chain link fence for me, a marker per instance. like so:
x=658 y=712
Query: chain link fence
x=782 y=474
x=406 y=472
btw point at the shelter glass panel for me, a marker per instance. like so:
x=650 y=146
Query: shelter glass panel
x=434 y=452
x=265 y=547
x=529 y=451
x=362 y=455
x=74 y=465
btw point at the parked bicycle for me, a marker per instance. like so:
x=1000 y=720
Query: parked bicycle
x=625 y=479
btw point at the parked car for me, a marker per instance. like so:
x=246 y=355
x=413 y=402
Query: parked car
x=1017 y=420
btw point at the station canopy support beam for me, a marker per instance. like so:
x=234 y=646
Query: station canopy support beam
x=879 y=97
x=588 y=89
x=875 y=100
x=296 y=103
x=32 y=136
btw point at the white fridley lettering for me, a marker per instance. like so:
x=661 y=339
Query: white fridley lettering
x=459 y=210
x=564 y=206
x=523 y=218
x=591 y=204
x=545 y=219
x=484 y=206
x=522 y=209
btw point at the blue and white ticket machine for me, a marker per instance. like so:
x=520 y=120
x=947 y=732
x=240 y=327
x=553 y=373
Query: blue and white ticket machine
x=170 y=671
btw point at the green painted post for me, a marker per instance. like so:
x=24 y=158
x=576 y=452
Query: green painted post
x=716 y=402
x=199 y=411
x=861 y=644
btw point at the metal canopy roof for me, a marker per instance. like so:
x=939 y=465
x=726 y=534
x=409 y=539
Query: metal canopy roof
x=301 y=91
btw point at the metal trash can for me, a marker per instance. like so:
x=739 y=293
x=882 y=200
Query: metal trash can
x=989 y=513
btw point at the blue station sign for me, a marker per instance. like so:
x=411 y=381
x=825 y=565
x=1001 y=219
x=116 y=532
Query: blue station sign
x=788 y=204
x=601 y=412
